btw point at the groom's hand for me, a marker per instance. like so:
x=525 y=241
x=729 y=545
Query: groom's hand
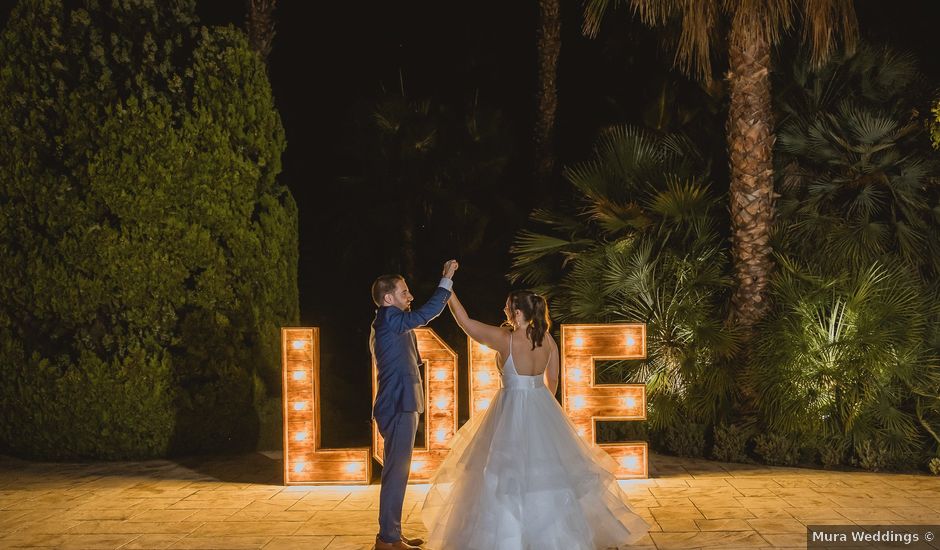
x=449 y=268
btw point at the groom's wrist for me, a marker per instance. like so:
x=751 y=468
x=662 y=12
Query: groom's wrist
x=446 y=282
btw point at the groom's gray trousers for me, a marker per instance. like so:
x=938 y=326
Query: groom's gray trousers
x=399 y=445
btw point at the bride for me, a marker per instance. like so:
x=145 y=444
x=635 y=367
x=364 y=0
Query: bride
x=518 y=477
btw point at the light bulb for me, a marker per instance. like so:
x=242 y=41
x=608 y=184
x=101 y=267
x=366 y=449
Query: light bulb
x=301 y=436
x=440 y=435
x=297 y=344
x=630 y=402
x=353 y=467
x=300 y=405
x=579 y=341
x=484 y=377
x=299 y=375
x=299 y=467
x=578 y=402
x=630 y=341
x=440 y=374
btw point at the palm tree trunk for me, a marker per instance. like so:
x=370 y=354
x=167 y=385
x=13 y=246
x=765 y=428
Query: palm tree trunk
x=260 y=23
x=750 y=149
x=549 y=46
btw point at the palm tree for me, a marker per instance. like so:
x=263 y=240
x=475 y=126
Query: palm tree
x=845 y=362
x=754 y=26
x=643 y=247
x=853 y=168
x=260 y=23
x=549 y=46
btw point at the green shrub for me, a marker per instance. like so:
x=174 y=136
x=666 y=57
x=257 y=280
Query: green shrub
x=150 y=254
x=617 y=431
x=934 y=465
x=832 y=451
x=777 y=449
x=686 y=439
x=846 y=357
x=872 y=456
x=730 y=443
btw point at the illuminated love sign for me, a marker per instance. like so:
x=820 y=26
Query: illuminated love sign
x=484 y=376
x=305 y=463
x=586 y=403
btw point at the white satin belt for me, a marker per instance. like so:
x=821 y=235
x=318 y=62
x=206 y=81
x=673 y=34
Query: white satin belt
x=519 y=382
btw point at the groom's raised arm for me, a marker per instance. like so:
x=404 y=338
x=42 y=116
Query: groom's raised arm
x=403 y=321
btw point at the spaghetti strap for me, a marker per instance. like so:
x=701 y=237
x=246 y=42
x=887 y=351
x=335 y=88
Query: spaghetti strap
x=510 y=344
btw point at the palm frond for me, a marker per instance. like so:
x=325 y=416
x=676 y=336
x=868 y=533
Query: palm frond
x=643 y=248
x=824 y=21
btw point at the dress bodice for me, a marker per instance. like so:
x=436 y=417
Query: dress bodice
x=515 y=381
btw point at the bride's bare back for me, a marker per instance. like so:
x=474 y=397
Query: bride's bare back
x=525 y=360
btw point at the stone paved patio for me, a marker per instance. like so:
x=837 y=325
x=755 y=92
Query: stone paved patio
x=237 y=502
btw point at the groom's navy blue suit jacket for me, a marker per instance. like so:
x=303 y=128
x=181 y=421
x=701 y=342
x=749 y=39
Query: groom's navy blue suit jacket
x=396 y=357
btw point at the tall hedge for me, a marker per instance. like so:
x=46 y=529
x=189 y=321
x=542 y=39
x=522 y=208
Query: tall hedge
x=148 y=254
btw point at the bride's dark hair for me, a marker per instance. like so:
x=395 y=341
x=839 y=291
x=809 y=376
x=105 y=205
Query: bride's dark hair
x=535 y=310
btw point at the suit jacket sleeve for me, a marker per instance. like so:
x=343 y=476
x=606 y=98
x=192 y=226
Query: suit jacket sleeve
x=403 y=321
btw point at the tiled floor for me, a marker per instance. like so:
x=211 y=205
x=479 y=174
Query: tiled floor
x=238 y=502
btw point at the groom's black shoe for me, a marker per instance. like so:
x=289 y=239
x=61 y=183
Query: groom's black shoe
x=400 y=545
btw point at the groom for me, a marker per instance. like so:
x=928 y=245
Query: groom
x=399 y=399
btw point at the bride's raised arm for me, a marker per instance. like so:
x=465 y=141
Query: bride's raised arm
x=481 y=332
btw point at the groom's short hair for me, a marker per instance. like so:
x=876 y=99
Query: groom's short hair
x=382 y=286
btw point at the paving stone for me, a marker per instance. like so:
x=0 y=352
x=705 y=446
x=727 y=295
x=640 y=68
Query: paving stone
x=222 y=542
x=350 y=542
x=331 y=522
x=221 y=528
x=776 y=525
x=727 y=513
x=710 y=539
x=152 y=542
x=302 y=542
x=131 y=527
x=814 y=513
x=158 y=516
x=730 y=524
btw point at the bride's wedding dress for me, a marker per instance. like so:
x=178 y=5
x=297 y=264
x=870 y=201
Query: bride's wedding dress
x=518 y=477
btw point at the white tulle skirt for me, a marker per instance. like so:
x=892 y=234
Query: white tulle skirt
x=518 y=477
